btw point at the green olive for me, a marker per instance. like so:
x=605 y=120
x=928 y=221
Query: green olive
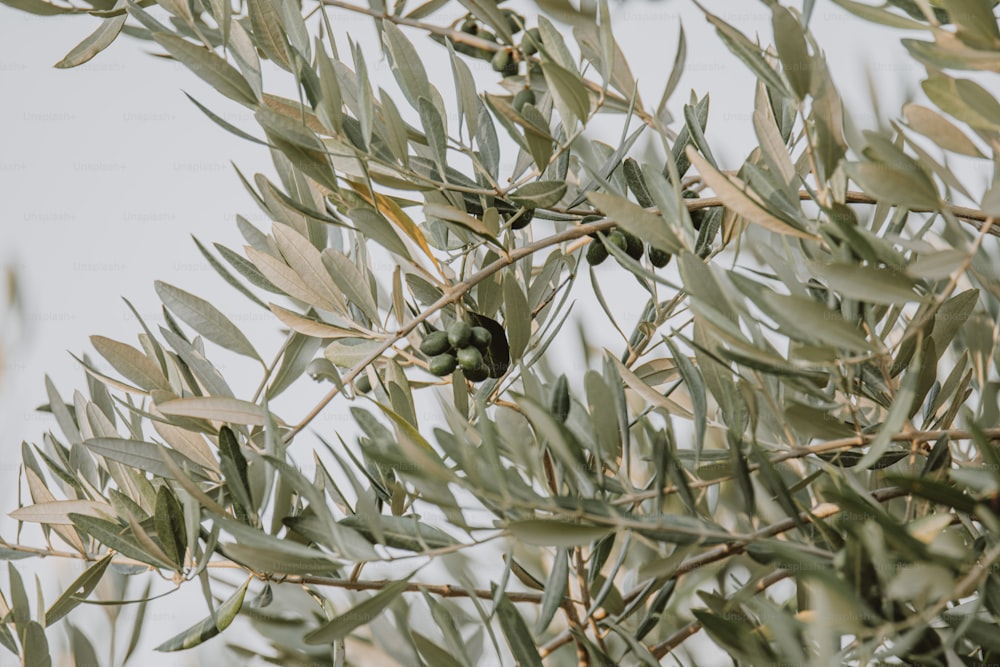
x=435 y=343
x=617 y=239
x=442 y=364
x=596 y=252
x=459 y=334
x=633 y=245
x=470 y=359
x=469 y=26
x=478 y=374
x=523 y=219
x=587 y=219
x=362 y=384
x=658 y=258
x=559 y=404
x=514 y=21
x=524 y=96
x=481 y=338
x=531 y=41
x=500 y=60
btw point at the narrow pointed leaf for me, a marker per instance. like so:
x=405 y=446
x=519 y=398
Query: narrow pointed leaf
x=361 y=614
x=211 y=626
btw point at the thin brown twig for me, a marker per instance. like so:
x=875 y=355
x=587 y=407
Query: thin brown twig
x=819 y=448
x=440 y=590
x=851 y=197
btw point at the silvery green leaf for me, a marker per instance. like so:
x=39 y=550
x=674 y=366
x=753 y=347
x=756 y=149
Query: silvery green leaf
x=305 y=260
x=519 y=638
x=56 y=512
x=899 y=187
x=215 y=408
x=351 y=282
x=131 y=363
x=361 y=614
x=268 y=31
x=206 y=319
x=80 y=588
x=209 y=66
x=211 y=626
x=539 y=194
x=96 y=42
x=550 y=533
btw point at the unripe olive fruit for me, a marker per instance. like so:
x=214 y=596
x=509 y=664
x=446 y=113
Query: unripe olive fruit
x=481 y=338
x=362 y=384
x=503 y=62
x=617 y=239
x=531 y=41
x=524 y=96
x=596 y=253
x=470 y=27
x=459 y=334
x=523 y=219
x=633 y=245
x=435 y=343
x=559 y=404
x=514 y=21
x=442 y=364
x=659 y=258
x=477 y=374
x=470 y=359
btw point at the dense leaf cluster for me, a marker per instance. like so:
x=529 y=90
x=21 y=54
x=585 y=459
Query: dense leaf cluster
x=809 y=396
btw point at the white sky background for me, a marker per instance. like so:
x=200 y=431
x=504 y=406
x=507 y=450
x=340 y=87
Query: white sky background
x=106 y=170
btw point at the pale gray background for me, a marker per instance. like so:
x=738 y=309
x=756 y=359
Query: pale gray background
x=106 y=170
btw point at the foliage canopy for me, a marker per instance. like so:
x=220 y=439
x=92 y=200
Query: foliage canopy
x=792 y=452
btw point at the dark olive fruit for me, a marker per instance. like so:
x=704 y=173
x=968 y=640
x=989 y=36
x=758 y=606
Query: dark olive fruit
x=514 y=21
x=697 y=217
x=596 y=252
x=435 y=343
x=523 y=220
x=469 y=26
x=633 y=245
x=481 y=338
x=470 y=359
x=504 y=63
x=559 y=404
x=531 y=41
x=363 y=384
x=500 y=60
x=659 y=258
x=616 y=238
x=477 y=374
x=459 y=334
x=524 y=96
x=587 y=219
x=442 y=364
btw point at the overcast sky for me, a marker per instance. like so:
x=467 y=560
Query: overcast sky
x=107 y=170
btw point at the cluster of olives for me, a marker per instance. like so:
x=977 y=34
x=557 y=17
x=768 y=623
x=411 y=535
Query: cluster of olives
x=631 y=244
x=505 y=60
x=460 y=346
x=474 y=207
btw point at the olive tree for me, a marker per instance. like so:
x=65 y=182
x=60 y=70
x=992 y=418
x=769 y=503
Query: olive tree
x=790 y=454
